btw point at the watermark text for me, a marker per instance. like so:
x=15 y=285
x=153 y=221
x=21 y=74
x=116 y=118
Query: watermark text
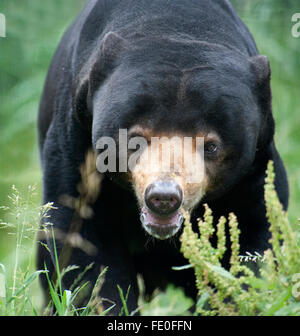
x=296 y=27
x=157 y=155
x=2 y=25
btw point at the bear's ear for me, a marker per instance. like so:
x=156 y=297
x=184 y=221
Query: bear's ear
x=111 y=47
x=260 y=66
x=98 y=66
x=103 y=60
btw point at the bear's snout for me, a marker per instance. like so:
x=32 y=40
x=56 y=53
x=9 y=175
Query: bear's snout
x=160 y=214
x=163 y=197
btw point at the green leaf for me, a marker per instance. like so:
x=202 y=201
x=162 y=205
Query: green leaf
x=3 y=282
x=202 y=300
x=181 y=268
x=124 y=299
x=279 y=303
x=67 y=299
x=220 y=271
x=171 y=302
x=25 y=285
x=54 y=296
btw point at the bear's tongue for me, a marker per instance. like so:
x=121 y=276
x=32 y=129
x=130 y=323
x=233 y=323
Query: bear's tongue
x=161 y=227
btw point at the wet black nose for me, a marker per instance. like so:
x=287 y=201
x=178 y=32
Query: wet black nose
x=163 y=197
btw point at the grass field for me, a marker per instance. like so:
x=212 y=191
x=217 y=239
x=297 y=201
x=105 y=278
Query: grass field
x=33 y=31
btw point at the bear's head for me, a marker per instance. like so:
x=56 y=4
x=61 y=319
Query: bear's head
x=178 y=120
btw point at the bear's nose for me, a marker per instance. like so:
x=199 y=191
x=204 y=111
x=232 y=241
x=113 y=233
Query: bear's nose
x=163 y=197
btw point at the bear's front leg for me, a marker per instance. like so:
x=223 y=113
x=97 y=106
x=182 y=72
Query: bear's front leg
x=84 y=235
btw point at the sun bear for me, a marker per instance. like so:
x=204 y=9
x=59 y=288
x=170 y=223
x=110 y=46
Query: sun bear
x=145 y=71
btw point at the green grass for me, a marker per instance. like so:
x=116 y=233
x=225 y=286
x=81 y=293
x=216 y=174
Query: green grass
x=18 y=273
x=33 y=32
x=240 y=291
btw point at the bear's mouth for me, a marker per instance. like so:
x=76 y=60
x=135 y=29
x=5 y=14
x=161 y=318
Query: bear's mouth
x=161 y=227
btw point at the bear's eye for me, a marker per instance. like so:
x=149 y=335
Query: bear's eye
x=210 y=148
